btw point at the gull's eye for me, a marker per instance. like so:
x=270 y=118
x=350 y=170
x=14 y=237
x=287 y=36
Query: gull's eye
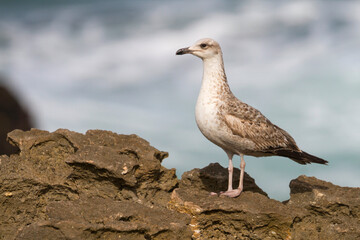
x=203 y=45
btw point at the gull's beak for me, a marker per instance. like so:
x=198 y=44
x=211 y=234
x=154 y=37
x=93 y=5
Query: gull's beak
x=182 y=51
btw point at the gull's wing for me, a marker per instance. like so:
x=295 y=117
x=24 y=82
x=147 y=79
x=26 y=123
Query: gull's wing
x=266 y=136
x=247 y=122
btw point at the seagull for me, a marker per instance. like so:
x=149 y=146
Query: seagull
x=233 y=125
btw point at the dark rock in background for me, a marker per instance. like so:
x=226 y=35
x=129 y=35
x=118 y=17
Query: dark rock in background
x=12 y=116
x=102 y=185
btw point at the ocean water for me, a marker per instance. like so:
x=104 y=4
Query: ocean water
x=111 y=65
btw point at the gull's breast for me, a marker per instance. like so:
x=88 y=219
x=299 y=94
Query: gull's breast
x=208 y=119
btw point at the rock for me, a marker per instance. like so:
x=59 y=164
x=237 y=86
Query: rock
x=12 y=116
x=102 y=185
x=66 y=185
x=327 y=211
x=315 y=210
x=251 y=216
x=95 y=217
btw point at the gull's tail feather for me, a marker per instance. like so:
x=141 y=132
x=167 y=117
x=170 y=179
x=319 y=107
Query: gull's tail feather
x=301 y=157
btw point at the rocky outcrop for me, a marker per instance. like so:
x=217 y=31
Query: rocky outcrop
x=316 y=210
x=101 y=185
x=66 y=185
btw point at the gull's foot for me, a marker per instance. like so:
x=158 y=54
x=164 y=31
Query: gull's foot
x=232 y=193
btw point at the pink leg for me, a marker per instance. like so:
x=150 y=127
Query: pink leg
x=242 y=171
x=236 y=192
x=231 y=170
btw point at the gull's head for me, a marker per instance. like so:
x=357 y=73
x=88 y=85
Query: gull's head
x=204 y=48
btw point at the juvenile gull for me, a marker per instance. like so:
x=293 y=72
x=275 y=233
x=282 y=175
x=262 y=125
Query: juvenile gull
x=236 y=127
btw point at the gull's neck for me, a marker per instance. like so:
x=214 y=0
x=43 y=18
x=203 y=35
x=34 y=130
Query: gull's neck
x=214 y=78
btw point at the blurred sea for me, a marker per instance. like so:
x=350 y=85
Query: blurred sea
x=111 y=65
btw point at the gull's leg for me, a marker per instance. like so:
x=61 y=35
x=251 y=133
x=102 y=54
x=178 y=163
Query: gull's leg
x=242 y=171
x=231 y=170
x=234 y=192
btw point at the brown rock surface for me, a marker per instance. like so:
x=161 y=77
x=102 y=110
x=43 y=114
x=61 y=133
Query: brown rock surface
x=66 y=185
x=326 y=211
x=102 y=185
x=316 y=209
